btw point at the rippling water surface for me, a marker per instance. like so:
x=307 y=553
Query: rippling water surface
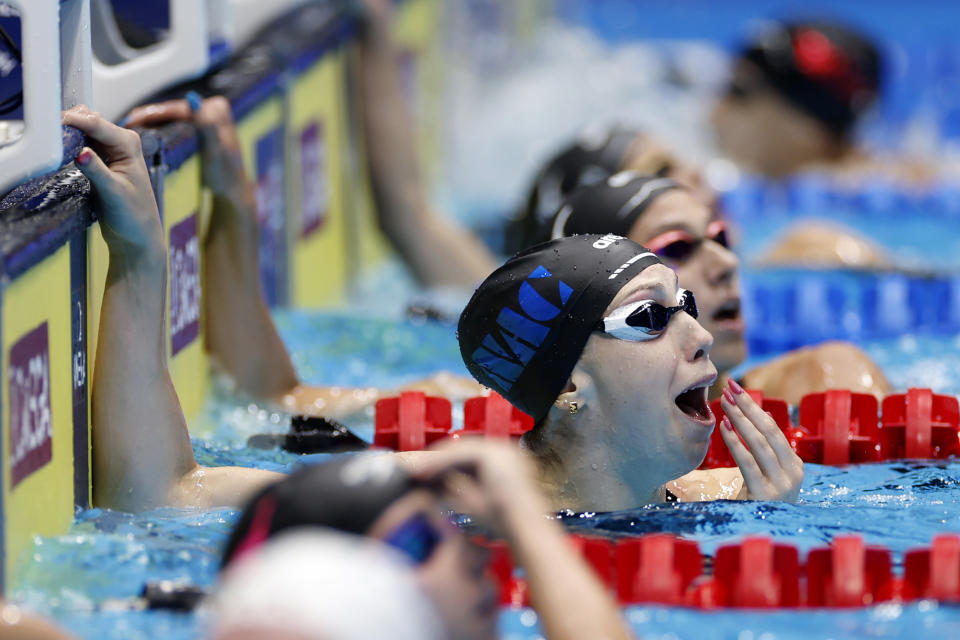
x=89 y=578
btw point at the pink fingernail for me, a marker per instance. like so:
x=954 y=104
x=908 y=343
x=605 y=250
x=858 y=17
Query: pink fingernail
x=728 y=396
x=84 y=157
x=736 y=388
x=727 y=424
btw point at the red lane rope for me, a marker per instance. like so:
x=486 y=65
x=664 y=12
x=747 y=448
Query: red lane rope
x=757 y=573
x=836 y=427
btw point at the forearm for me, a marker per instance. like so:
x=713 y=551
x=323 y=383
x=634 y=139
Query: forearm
x=438 y=251
x=240 y=334
x=140 y=444
x=571 y=601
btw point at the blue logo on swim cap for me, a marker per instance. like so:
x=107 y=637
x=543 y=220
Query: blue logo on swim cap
x=505 y=353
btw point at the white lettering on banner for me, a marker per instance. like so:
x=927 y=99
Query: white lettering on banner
x=313 y=174
x=31 y=419
x=185 y=293
x=79 y=356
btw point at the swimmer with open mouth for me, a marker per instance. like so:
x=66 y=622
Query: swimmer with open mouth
x=593 y=337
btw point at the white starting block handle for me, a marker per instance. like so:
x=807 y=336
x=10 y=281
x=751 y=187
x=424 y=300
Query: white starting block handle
x=40 y=148
x=138 y=74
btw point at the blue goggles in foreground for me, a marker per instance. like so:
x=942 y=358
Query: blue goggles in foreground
x=646 y=319
x=416 y=537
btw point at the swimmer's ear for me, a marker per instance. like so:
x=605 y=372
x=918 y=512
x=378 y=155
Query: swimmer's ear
x=573 y=398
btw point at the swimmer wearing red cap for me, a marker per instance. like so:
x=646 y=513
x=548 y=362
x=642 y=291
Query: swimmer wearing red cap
x=797 y=92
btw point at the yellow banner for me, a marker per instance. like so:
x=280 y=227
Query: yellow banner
x=184 y=219
x=37 y=410
x=316 y=175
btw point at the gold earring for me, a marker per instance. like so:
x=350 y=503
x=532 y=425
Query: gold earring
x=573 y=408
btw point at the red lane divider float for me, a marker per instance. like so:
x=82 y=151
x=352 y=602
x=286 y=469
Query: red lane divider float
x=413 y=421
x=933 y=572
x=919 y=424
x=836 y=427
x=841 y=427
x=849 y=574
x=655 y=568
x=755 y=573
x=493 y=416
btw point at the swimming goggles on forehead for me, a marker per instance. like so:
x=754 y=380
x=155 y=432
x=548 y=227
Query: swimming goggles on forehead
x=679 y=245
x=417 y=537
x=645 y=319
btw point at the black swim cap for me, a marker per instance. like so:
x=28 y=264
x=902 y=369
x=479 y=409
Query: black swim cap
x=526 y=325
x=611 y=206
x=592 y=158
x=347 y=494
x=827 y=69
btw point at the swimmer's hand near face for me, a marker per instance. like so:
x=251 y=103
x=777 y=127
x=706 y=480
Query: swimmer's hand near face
x=126 y=207
x=771 y=469
x=493 y=481
x=496 y=483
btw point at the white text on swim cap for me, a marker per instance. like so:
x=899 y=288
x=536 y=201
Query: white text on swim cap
x=607 y=240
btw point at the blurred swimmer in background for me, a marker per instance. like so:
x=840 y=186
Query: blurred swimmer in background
x=321 y=585
x=599 y=153
x=406 y=507
x=797 y=93
x=240 y=334
x=695 y=242
x=593 y=337
x=594 y=156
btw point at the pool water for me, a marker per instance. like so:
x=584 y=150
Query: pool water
x=87 y=579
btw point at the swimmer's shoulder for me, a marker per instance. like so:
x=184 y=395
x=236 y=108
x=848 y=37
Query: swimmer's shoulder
x=707 y=484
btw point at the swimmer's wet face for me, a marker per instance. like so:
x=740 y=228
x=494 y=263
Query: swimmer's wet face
x=796 y=93
x=653 y=393
x=454 y=570
x=763 y=131
x=705 y=265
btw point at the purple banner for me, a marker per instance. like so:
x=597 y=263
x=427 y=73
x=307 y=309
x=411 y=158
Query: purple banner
x=185 y=292
x=31 y=422
x=271 y=216
x=313 y=172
